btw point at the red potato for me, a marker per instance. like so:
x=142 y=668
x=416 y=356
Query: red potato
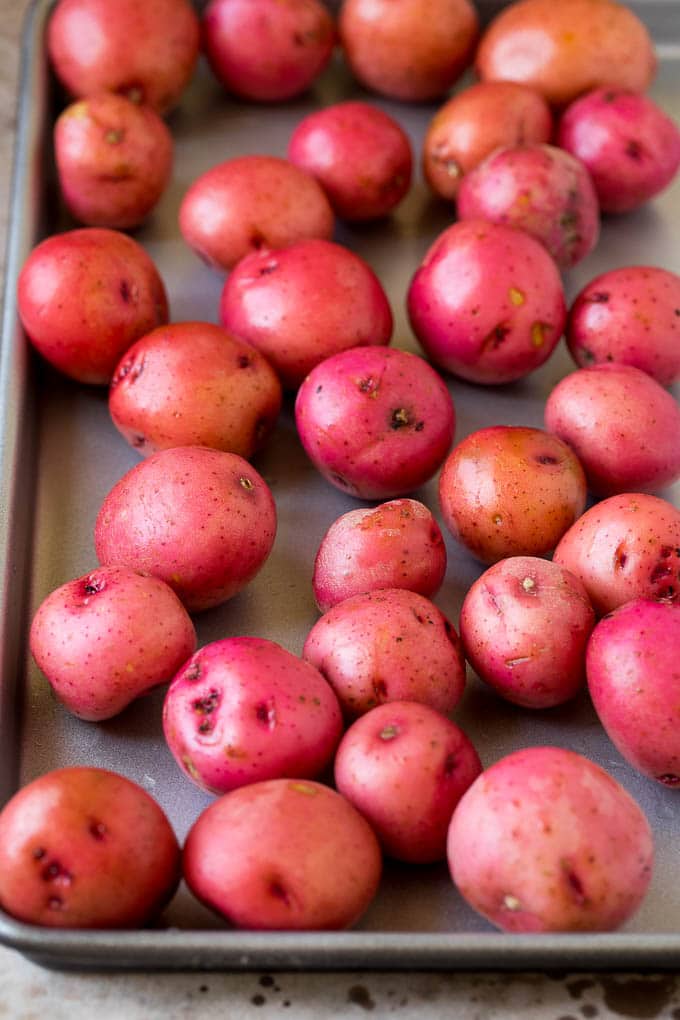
x=405 y=767
x=85 y=848
x=394 y=545
x=563 y=50
x=108 y=637
x=388 y=645
x=511 y=491
x=244 y=710
x=376 y=422
x=547 y=841
x=302 y=304
x=202 y=520
x=411 y=50
x=630 y=147
x=539 y=189
x=629 y=315
x=621 y=424
x=487 y=303
x=359 y=155
x=283 y=855
x=296 y=39
x=634 y=680
x=85 y=296
x=194 y=384
x=623 y=548
x=524 y=625
x=486 y=116
x=114 y=159
x=249 y=203
x=146 y=51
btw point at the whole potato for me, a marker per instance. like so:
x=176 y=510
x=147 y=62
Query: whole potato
x=283 y=855
x=547 y=841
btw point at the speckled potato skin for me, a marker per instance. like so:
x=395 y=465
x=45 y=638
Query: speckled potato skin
x=388 y=645
x=376 y=422
x=524 y=625
x=244 y=709
x=629 y=315
x=85 y=296
x=359 y=154
x=539 y=189
x=634 y=678
x=252 y=202
x=630 y=147
x=395 y=545
x=108 y=637
x=295 y=37
x=85 y=848
x=202 y=520
x=485 y=116
x=511 y=491
x=412 y=50
x=302 y=304
x=563 y=50
x=283 y=855
x=547 y=841
x=487 y=303
x=625 y=547
x=153 y=396
x=146 y=51
x=622 y=425
x=405 y=767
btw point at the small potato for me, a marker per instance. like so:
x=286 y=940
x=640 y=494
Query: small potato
x=621 y=424
x=547 y=841
x=153 y=396
x=511 y=491
x=283 y=855
x=86 y=848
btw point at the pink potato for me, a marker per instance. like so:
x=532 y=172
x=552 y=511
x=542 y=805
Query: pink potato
x=283 y=855
x=301 y=304
x=376 y=422
x=114 y=159
x=485 y=116
x=630 y=315
x=243 y=709
x=411 y=50
x=405 y=767
x=511 y=491
x=146 y=51
x=630 y=147
x=524 y=626
x=105 y=638
x=634 y=681
x=202 y=520
x=249 y=203
x=539 y=189
x=395 y=545
x=267 y=50
x=359 y=155
x=153 y=397
x=623 y=548
x=384 y=646
x=621 y=424
x=86 y=848
x=487 y=303
x=85 y=296
x=547 y=841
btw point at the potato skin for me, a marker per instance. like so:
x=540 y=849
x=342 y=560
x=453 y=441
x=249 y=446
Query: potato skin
x=547 y=841
x=283 y=855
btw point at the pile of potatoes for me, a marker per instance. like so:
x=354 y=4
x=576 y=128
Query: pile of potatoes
x=325 y=762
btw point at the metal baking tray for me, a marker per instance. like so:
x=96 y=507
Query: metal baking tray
x=61 y=455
